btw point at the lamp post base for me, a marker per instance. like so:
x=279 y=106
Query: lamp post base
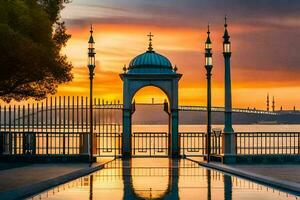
x=229 y=144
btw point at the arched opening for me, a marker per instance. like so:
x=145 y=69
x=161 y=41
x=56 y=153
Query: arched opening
x=150 y=122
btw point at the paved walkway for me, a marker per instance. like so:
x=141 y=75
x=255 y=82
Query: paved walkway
x=38 y=177
x=280 y=172
x=286 y=177
x=11 y=165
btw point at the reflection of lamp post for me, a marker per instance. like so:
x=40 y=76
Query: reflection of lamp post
x=91 y=66
x=208 y=67
x=208 y=174
x=91 y=187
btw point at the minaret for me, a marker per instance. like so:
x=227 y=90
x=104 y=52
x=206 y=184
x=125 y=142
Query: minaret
x=228 y=104
x=273 y=104
x=208 y=67
x=268 y=103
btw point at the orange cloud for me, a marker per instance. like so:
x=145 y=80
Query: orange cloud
x=117 y=44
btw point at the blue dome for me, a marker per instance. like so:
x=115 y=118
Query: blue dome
x=150 y=59
x=150 y=62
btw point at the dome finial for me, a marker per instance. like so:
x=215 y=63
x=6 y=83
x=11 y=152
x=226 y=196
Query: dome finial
x=150 y=48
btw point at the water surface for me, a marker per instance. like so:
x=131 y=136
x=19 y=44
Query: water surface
x=160 y=178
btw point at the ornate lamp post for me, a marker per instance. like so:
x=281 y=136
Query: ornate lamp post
x=228 y=140
x=228 y=105
x=208 y=67
x=91 y=66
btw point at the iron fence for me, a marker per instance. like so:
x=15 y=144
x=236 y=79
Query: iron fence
x=59 y=125
x=267 y=142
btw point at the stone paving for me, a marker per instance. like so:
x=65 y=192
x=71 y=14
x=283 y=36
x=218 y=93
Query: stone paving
x=11 y=165
x=33 y=174
x=283 y=176
x=280 y=172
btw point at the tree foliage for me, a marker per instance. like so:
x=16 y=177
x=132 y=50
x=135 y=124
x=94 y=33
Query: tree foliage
x=31 y=37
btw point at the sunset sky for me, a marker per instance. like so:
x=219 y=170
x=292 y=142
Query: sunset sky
x=265 y=36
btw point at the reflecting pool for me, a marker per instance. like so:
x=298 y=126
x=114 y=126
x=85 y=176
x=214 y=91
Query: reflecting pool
x=160 y=178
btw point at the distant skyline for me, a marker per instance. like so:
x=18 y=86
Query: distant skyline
x=264 y=36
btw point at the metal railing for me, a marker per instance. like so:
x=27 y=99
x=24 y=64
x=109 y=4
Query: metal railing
x=150 y=143
x=59 y=125
x=42 y=143
x=108 y=144
x=267 y=142
x=194 y=143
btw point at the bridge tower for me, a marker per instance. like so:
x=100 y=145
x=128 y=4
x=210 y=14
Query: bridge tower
x=228 y=137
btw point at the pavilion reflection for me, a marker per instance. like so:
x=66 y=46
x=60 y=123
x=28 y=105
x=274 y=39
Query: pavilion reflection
x=164 y=176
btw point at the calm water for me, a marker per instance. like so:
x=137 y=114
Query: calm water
x=160 y=178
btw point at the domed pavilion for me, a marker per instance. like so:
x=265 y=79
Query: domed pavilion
x=150 y=69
